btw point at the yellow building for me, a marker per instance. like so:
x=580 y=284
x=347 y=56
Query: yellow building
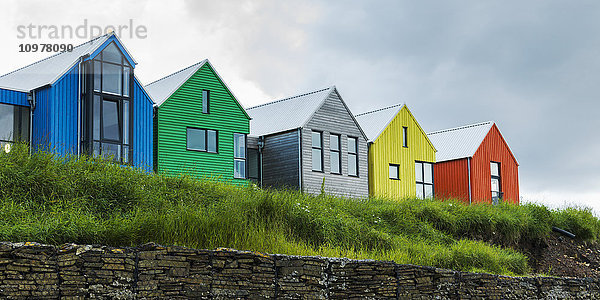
x=401 y=156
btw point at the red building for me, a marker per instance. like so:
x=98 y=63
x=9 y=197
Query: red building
x=474 y=164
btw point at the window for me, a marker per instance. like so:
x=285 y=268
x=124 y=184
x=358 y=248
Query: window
x=239 y=155
x=107 y=109
x=352 y=156
x=394 y=172
x=202 y=140
x=317 y=151
x=424 y=179
x=405 y=137
x=14 y=124
x=253 y=164
x=205 y=101
x=335 y=156
x=496 y=184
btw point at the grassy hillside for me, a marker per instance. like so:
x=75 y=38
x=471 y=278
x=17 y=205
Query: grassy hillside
x=54 y=200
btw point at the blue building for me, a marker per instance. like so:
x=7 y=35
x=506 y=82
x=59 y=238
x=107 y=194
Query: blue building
x=87 y=101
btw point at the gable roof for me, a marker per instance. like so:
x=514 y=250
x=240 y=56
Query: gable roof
x=47 y=71
x=374 y=122
x=162 y=89
x=459 y=142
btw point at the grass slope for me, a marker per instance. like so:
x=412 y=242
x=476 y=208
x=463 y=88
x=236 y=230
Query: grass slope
x=55 y=200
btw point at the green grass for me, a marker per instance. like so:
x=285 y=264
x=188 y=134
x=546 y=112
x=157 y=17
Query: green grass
x=55 y=200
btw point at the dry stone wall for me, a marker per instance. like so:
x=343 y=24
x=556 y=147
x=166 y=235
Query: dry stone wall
x=31 y=270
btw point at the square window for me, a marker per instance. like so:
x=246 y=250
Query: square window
x=196 y=139
x=394 y=171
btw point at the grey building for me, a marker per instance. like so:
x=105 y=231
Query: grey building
x=308 y=142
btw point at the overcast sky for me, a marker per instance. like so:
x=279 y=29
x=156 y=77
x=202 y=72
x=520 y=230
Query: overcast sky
x=533 y=67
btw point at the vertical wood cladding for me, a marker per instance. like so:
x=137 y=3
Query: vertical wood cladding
x=333 y=118
x=494 y=148
x=451 y=180
x=280 y=160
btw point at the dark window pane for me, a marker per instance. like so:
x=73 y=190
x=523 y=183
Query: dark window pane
x=404 y=137
x=111 y=151
x=112 y=79
x=205 y=101
x=428 y=172
x=96 y=118
x=317 y=160
x=352 y=165
x=125 y=154
x=96 y=151
x=420 y=192
x=239 y=170
x=253 y=164
x=110 y=121
x=352 y=145
x=212 y=141
x=335 y=162
x=7 y=120
x=112 y=54
x=239 y=145
x=393 y=172
x=316 y=139
x=196 y=139
x=126 y=122
x=334 y=142
x=22 y=123
x=419 y=172
x=97 y=75
x=126 y=77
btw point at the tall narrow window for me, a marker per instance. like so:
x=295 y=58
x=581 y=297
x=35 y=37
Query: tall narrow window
x=352 y=156
x=239 y=155
x=424 y=179
x=394 y=172
x=14 y=125
x=108 y=110
x=317 y=151
x=253 y=164
x=335 y=157
x=405 y=137
x=205 y=101
x=496 y=182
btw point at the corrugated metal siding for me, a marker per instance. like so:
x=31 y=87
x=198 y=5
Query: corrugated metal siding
x=55 y=115
x=451 y=180
x=280 y=160
x=333 y=117
x=387 y=149
x=13 y=97
x=184 y=109
x=142 y=128
x=495 y=149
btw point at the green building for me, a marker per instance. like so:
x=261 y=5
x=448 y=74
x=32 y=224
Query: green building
x=200 y=128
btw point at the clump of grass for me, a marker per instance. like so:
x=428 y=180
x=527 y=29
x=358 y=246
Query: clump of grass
x=51 y=199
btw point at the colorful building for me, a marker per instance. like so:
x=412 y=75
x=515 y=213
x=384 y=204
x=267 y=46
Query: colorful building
x=310 y=142
x=200 y=126
x=475 y=164
x=401 y=156
x=87 y=101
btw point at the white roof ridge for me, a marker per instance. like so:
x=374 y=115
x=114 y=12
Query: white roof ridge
x=461 y=127
x=380 y=109
x=290 y=98
x=52 y=56
x=177 y=72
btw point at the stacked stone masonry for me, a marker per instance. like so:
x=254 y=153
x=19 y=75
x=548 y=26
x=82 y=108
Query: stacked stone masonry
x=31 y=270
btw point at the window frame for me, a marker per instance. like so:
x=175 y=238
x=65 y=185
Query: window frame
x=405 y=136
x=205 y=139
x=498 y=177
x=322 y=170
x=355 y=154
x=205 y=106
x=397 y=171
x=95 y=69
x=20 y=125
x=338 y=152
x=244 y=159
x=423 y=183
